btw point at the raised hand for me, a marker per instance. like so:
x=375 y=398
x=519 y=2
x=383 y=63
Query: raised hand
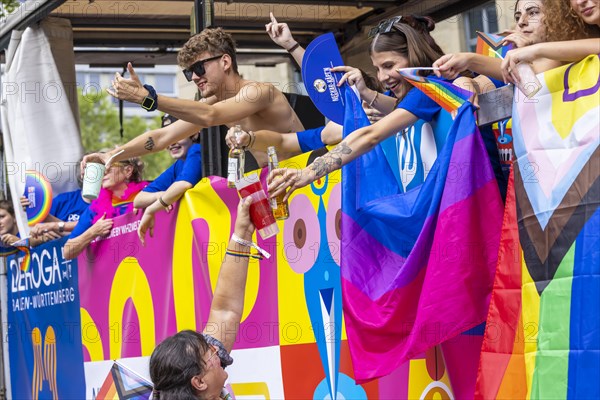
x=280 y=33
x=130 y=89
x=243 y=225
x=100 y=158
x=354 y=77
x=450 y=66
x=518 y=39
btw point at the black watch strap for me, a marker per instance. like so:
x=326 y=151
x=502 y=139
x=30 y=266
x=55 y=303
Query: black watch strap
x=150 y=102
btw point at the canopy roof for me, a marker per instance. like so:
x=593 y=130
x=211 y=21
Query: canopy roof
x=110 y=32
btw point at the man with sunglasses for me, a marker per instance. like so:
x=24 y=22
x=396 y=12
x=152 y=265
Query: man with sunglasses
x=208 y=59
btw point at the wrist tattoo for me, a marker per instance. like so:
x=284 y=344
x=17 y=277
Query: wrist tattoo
x=330 y=161
x=149 y=145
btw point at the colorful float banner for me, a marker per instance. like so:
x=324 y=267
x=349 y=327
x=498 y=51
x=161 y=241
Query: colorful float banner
x=133 y=297
x=543 y=331
x=44 y=328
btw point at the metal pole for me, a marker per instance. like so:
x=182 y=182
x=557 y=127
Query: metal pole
x=214 y=149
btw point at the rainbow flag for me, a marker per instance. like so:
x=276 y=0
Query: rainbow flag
x=543 y=331
x=124 y=384
x=490 y=44
x=450 y=97
x=411 y=260
x=23 y=245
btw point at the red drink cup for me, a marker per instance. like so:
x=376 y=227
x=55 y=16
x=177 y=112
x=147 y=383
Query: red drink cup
x=260 y=209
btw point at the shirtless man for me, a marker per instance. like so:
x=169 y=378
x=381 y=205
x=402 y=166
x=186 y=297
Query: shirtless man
x=209 y=60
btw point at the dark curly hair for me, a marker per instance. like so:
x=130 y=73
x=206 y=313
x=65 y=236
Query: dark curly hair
x=570 y=26
x=214 y=41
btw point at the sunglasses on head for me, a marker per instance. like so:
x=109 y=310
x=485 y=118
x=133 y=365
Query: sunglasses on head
x=197 y=68
x=387 y=25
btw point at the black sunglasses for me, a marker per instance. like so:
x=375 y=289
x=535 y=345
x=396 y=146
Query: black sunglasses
x=387 y=25
x=384 y=26
x=198 y=68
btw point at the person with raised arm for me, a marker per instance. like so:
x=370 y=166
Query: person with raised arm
x=399 y=42
x=209 y=60
x=190 y=364
x=573 y=33
x=121 y=183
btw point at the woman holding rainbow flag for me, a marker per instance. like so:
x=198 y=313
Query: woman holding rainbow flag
x=399 y=42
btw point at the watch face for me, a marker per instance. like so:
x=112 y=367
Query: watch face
x=148 y=103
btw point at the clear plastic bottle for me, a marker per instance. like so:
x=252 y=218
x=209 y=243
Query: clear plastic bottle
x=235 y=162
x=280 y=208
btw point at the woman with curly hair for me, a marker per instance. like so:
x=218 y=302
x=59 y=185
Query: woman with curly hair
x=531 y=28
x=577 y=16
x=574 y=37
x=121 y=183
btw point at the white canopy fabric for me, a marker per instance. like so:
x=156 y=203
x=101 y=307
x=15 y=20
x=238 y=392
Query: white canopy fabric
x=39 y=124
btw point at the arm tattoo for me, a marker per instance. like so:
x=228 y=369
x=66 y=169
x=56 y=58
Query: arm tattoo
x=330 y=161
x=149 y=144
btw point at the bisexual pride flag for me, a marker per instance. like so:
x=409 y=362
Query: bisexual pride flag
x=417 y=267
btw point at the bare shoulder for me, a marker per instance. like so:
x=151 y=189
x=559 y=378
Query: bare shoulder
x=257 y=92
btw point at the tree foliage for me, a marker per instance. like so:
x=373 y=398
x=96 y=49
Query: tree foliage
x=7 y=7
x=99 y=125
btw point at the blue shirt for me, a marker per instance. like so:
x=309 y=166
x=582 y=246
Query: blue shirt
x=310 y=139
x=68 y=206
x=412 y=152
x=188 y=169
x=419 y=104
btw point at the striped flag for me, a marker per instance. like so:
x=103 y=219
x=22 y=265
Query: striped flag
x=23 y=245
x=124 y=384
x=450 y=97
x=543 y=331
x=490 y=44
